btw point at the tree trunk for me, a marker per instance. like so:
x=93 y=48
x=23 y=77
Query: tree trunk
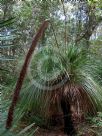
x=68 y=123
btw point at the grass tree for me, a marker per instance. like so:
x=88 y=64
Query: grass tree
x=67 y=79
x=66 y=76
x=63 y=78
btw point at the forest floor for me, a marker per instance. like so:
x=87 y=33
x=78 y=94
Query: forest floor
x=82 y=129
x=85 y=128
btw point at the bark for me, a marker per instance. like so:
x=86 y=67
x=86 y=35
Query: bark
x=68 y=123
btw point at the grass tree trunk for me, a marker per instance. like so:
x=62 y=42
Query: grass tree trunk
x=68 y=123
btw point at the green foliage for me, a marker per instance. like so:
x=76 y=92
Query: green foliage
x=7 y=57
x=97 y=120
x=6 y=22
x=23 y=132
x=49 y=64
x=96 y=2
x=6 y=39
x=5 y=87
x=29 y=130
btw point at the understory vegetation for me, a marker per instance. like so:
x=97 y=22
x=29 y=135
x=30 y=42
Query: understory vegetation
x=50 y=68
